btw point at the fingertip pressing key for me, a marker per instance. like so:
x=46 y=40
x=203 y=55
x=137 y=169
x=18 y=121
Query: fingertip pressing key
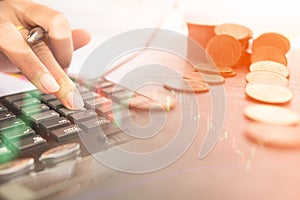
x=75 y=100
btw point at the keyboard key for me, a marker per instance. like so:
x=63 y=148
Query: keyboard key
x=66 y=112
x=28 y=111
x=29 y=144
x=54 y=124
x=15 y=134
x=60 y=153
x=44 y=116
x=4 y=116
x=2 y=108
x=66 y=133
x=11 y=124
x=84 y=115
x=25 y=103
x=12 y=98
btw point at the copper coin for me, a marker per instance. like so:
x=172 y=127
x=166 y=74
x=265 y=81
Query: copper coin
x=186 y=85
x=266 y=77
x=211 y=79
x=224 y=50
x=208 y=68
x=274 y=135
x=268 y=53
x=230 y=74
x=271 y=114
x=270 y=66
x=272 y=39
x=237 y=31
x=269 y=93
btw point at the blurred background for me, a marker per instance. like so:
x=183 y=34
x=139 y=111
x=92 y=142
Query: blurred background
x=106 y=18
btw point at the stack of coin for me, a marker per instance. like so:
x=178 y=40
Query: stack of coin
x=267 y=83
x=270 y=46
x=242 y=34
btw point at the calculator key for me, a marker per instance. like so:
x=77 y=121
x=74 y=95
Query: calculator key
x=84 y=115
x=91 y=104
x=15 y=134
x=47 y=97
x=36 y=93
x=12 y=98
x=113 y=89
x=4 y=116
x=66 y=133
x=28 y=111
x=11 y=124
x=60 y=153
x=108 y=110
x=6 y=154
x=89 y=95
x=54 y=124
x=121 y=96
x=44 y=116
x=103 y=84
x=29 y=144
x=67 y=112
x=25 y=103
x=119 y=138
x=94 y=125
x=55 y=104
x=82 y=90
x=110 y=129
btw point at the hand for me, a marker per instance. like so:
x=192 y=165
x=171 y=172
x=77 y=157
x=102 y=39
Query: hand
x=46 y=62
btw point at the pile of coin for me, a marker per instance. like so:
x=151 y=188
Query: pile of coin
x=232 y=45
x=271 y=122
x=226 y=45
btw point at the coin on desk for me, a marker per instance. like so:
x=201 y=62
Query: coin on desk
x=211 y=79
x=208 y=68
x=274 y=135
x=271 y=114
x=269 y=93
x=270 y=66
x=266 y=77
x=186 y=85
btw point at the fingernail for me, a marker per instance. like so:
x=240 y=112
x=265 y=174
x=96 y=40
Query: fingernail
x=75 y=100
x=49 y=83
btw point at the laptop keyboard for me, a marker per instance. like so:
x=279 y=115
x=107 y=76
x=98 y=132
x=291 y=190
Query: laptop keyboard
x=36 y=130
